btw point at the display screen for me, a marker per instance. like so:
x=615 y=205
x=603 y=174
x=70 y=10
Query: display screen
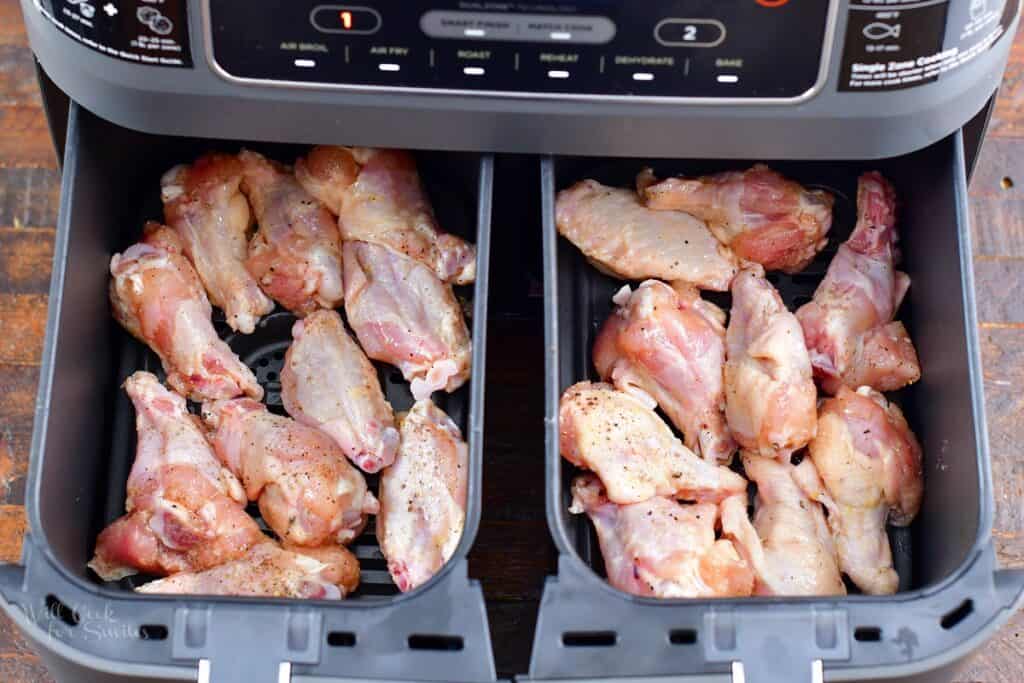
x=671 y=48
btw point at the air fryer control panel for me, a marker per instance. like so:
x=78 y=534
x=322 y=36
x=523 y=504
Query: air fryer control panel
x=769 y=49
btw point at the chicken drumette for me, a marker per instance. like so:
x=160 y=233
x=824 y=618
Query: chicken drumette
x=761 y=215
x=770 y=393
x=296 y=253
x=849 y=325
x=203 y=204
x=157 y=296
x=308 y=492
x=789 y=545
x=378 y=198
x=870 y=464
x=668 y=346
x=184 y=510
x=661 y=548
x=404 y=315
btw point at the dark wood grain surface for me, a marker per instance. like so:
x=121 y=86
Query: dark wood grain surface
x=513 y=540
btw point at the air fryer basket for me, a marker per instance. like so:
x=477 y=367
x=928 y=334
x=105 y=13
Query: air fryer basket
x=84 y=444
x=950 y=594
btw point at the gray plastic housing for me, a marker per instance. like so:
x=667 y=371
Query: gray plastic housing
x=88 y=631
x=952 y=597
x=829 y=125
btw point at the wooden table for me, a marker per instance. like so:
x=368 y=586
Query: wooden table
x=513 y=540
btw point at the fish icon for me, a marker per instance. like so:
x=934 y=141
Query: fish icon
x=877 y=30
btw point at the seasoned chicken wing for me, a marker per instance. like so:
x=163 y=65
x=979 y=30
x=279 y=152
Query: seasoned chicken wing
x=203 y=204
x=327 y=172
x=759 y=214
x=378 y=198
x=268 y=571
x=423 y=497
x=296 y=253
x=770 y=397
x=328 y=382
x=403 y=315
x=184 y=510
x=668 y=346
x=789 y=545
x=157 y=296
x=308 y=492
x=660 y=548
x=621 y=236
x=849 y=325
x=633 y=451
x=870 y=464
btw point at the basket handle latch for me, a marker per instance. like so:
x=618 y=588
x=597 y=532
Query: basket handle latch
x=778 y=644
x=739 y=674
x=232 y=644
x=284 y=672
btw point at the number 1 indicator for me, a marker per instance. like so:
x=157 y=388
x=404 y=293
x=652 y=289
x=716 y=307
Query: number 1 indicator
x=345 y=19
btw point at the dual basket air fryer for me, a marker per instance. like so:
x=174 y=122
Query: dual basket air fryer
x=951 y=596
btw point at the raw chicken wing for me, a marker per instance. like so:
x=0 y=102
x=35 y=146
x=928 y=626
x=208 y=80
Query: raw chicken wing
x=849 y=325
x=660 y=548
x=308 y=492
x=268 y=571
x=789 y=545
x=184 y=510
x=157 y=296
x=327 y=172
x=384 y=203
x=770 y=394
x=296 y=254
x=761 y=215
x=870 y=463
x=633 y=451
x=403 y=315
x=203 y=204
x=621 y=236
x=668 y=346
x=423 y=497
x=328 y=382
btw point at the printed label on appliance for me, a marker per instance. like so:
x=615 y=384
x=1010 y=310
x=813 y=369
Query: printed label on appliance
x=897 y=44
x=153 y=32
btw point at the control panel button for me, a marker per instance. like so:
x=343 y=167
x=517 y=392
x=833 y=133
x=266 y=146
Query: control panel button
x=527 y=28
x=469 y=25
x=476 y=67
x=566 y=29
x=689 y=32
x=345 y=19
x=387 y=62
x=560 y=68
